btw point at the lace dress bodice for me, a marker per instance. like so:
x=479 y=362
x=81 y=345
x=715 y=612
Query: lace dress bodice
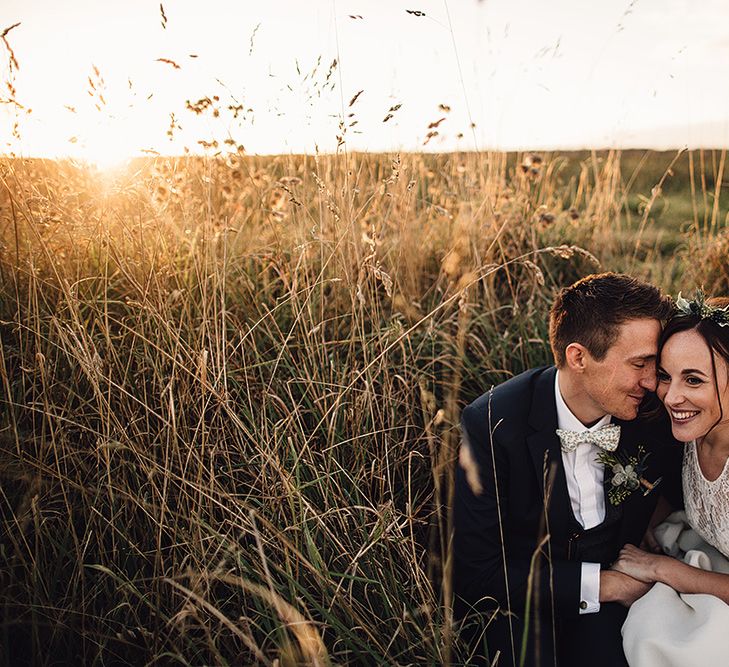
x=707 y=503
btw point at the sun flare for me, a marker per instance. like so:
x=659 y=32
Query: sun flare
x=107 y=143
x=107 y=155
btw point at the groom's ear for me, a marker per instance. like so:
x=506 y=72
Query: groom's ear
x=576 y=357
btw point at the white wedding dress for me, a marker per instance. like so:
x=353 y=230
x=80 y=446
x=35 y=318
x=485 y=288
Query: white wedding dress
x=668 y=629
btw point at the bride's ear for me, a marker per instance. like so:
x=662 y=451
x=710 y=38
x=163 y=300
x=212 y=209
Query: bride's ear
x=575 y=357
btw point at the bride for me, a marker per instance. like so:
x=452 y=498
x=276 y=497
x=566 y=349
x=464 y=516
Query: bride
x=684 y=619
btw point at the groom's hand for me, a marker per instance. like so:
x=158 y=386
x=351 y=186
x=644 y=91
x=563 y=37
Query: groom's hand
x=619 y=587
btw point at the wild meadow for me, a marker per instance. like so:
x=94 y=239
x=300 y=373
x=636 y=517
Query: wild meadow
x=230 y=386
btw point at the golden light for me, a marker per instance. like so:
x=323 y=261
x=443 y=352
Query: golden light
x=105 y=139
x=108 y=146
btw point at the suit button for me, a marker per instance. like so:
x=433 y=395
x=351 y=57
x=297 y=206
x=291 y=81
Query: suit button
x=583 y=605
x=575 y=536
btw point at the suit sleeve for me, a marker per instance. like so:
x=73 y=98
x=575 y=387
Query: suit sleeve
x=486 y=570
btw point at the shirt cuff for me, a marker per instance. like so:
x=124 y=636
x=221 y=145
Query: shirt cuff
x=590 y=588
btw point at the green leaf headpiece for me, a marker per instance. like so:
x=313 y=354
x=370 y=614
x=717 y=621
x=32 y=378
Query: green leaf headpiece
x=699 y=308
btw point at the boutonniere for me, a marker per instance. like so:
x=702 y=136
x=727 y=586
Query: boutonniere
x=627 y=474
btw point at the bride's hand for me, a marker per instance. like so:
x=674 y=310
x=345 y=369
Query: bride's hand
x=638 y=564
x=649 y=543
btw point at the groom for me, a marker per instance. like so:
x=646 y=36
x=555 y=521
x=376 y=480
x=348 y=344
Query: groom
x=538 y=518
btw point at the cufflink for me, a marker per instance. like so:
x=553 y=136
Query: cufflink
x=583 y=605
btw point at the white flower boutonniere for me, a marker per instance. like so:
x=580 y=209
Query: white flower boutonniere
x=627 y=474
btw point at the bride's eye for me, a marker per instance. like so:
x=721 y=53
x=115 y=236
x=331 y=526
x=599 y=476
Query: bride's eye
x=694 y=381
x=663 y=376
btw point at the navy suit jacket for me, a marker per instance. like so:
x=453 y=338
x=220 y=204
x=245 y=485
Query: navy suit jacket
x=522 y=522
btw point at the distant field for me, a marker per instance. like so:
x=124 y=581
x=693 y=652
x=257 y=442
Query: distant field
x=230 y=387
x=692 y=189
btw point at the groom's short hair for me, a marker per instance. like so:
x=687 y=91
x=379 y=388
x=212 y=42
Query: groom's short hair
x=591 y=311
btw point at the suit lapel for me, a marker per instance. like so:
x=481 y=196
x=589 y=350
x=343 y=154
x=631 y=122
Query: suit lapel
x=636 y=508
x=612 y=512
x=544 y=447
x=627 y=447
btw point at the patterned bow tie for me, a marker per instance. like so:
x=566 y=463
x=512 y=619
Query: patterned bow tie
x=606 y=437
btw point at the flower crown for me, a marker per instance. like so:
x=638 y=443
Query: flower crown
x=699 y=308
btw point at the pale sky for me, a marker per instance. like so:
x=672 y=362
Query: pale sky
x=531 y=74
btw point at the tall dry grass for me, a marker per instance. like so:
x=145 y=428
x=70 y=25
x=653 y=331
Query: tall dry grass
x=231 y=389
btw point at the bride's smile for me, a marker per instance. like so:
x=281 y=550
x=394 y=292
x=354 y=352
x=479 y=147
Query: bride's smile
x=683 y=416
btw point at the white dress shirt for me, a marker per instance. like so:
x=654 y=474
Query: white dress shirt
x=585 y=475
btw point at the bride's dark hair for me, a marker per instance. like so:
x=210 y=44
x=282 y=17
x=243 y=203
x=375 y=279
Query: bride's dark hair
x=715 y=336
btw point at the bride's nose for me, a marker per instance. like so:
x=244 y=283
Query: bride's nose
x=674 y=396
